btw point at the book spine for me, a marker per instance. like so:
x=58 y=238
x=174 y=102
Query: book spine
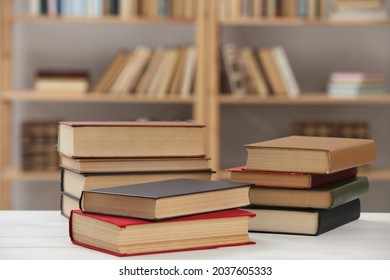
x=336 y=217
x=34 y=7
x=350 y=191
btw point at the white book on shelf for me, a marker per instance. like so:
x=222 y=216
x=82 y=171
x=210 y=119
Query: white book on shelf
x=34 y=7
x=286 y=71
x=52 y=7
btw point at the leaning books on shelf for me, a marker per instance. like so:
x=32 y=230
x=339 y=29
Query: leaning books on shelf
x=262 y=72
x=143 y=71
x=121 y=8
x=302 y=221
x=195 y=232
x=69 y=81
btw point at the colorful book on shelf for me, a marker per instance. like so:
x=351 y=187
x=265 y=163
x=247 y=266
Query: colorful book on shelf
x=130 y=139
x=310 y=154
x=203 y=231
x=322 y=197
x=74 y=183
x=115 y=165
x=165 y=199
x=296 y=180
x=302 y=221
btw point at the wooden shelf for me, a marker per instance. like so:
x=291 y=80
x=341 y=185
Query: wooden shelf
x=306 y=99
x=299 y=22
x=102 y=20
x=32 y=96
x=14 y=174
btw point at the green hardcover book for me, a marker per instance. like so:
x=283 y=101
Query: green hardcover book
x=44 y=7
x=302 y=221
x=322 y=197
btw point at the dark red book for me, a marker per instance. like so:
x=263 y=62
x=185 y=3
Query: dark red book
x=288 y=179
x=138 y=237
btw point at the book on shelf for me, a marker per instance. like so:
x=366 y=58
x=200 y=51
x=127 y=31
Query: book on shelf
x=302 y=221
x=202 y=231
x=70 y=81
x=115 y=165
x=74 y=183
x=322 y=197
x=295 y=180
x=189 y=71
x=68 y=203
x=165 y=199
x=130 y=139
x=310 y=154
x=358 y=10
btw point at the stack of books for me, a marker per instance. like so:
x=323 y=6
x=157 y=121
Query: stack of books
x=69 y=81
x=353 y=84
x=106 y=154
x=163 y=216
x=305 y=185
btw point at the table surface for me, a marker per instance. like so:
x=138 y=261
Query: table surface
x=41 y=235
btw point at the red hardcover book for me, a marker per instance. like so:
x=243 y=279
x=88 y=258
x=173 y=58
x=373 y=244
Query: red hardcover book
x=138 y=237
x=288 y=179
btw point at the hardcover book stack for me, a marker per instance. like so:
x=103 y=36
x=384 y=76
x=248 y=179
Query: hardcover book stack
x=106 y=154
x=305 y=185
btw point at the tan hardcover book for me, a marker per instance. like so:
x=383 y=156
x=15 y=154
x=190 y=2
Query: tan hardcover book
x=271 y=71
x=111 y=73
x=74 y=183
x=170 y=63
x=289 y=8
x=156 y=81
x=119 y=79
x=256 y=77
x=130 y=139
x=165 y=199
x=111 y=165
x=312 y=8
x=178 y=75
x=124 y=8
x=310 y=154
x=188 y=72
x=150 y=71
x=257 y=8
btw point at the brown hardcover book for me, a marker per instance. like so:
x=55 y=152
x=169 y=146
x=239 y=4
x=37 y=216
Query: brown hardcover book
x=74 y=183
x=115 y=165
x=288 y=179
x=272 y=73
x=109 y=75
x=128 y=236
x=310 y=154
x=165 y=199
x=130 y=139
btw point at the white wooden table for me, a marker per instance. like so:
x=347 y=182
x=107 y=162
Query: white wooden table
x=43 y=235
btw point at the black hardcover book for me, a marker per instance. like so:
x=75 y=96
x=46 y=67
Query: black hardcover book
x=165 y=199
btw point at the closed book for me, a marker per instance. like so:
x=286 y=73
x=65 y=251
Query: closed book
x=74 y=183
x=128 y=236
x=310 y=154
x=272 y=73
x=130 y=139
x=302 y=221
x=322 y=197
x=68 y=203
x=116 y=165
x=165 y=199
x=288 y=179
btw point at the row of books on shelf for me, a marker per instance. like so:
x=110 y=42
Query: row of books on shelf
x=185 y=9
x=304 y=9
x=143 y=71
x=193 y=212
x=262 y=72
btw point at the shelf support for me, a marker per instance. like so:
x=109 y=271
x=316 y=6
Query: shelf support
x=6 y=8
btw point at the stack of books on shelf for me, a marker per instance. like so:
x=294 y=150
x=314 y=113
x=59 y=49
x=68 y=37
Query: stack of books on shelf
x=262 y=72
x=144 y=72
x=327 y=128
x=105 y=154
x=305 y=185
x=354 y=84
x=39 y=144
x=123 y=8
x=269 y=9
x=359 y=10
x=162 y=216
x=69 y=81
